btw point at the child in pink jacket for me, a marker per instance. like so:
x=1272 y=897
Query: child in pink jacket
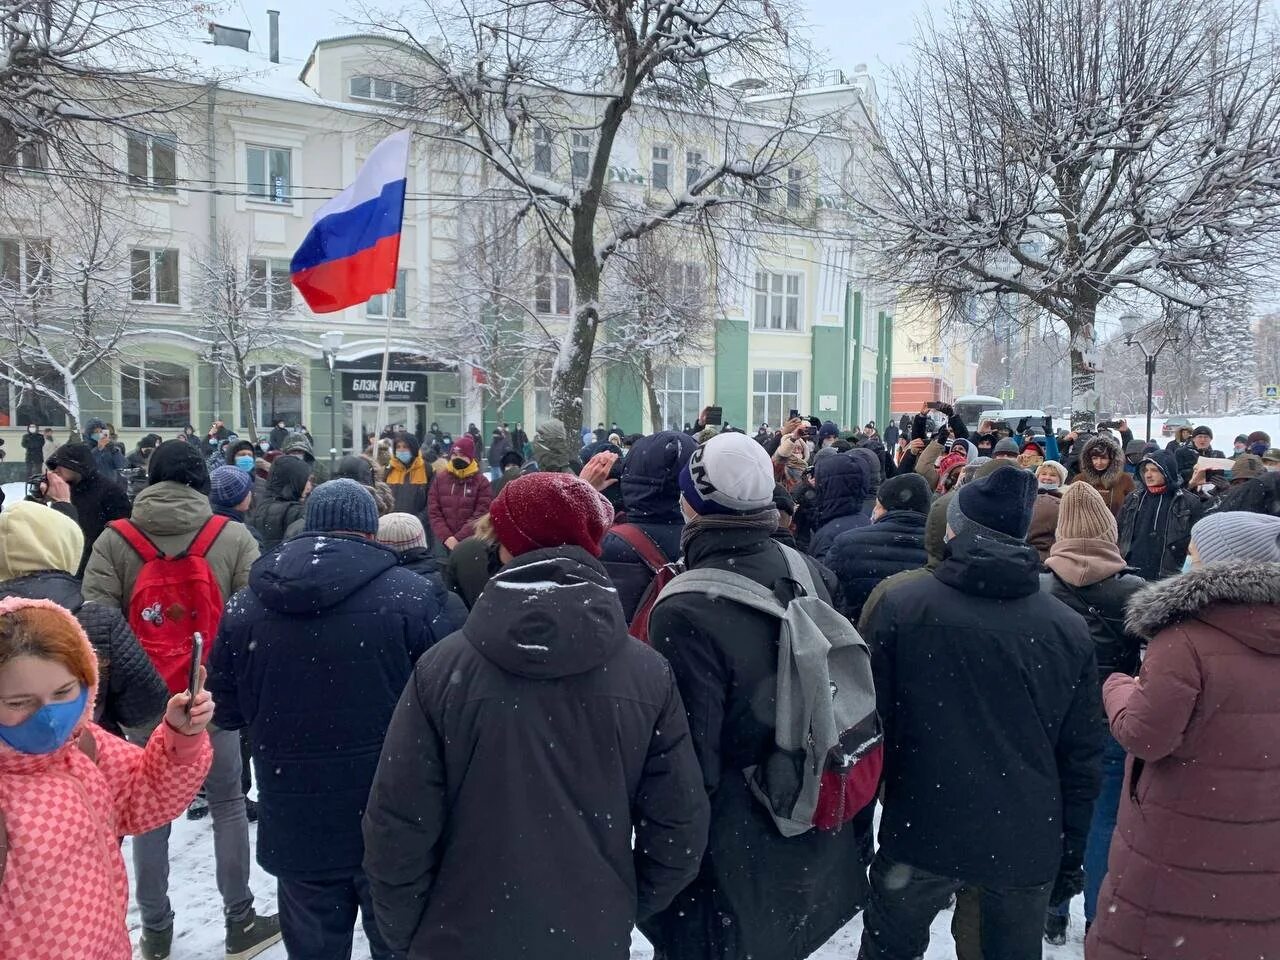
x=69 y=790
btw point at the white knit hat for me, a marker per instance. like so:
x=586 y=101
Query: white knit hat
x=401 y=532
x=730 y=473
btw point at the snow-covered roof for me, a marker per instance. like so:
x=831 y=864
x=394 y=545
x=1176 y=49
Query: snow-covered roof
x=243 y=71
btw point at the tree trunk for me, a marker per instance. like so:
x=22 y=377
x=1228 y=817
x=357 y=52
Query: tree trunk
x=573 y=366
x=655 y=409
x=73 y=406
x=1084 y=396
x=250 y=414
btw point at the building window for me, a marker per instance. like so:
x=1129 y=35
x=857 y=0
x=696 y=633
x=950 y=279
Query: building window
x=277 y=395
x=778 y=299
x=154 y=276
x=686 y=284
x=25 y=267
x=774 y=393
x=155 y=396
x=868 y=409
x=693 y=171
x=679 y=392
x=270 y=288
x=795 y=188
x=542 y=396
x=580 y=158
x=764 y=193
x=379 y=90
x=29 y=157
x=541 y=149
x=396 y=300
x=660 y=177
x=20 y=406
x=552 y=286
x=270 y=173
x=153 y=161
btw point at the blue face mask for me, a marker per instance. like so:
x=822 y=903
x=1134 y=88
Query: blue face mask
x=404 y=456
x=213 y=441
x=97 y=435
x=48 y=728
x=1188 y=565
x=245 y=464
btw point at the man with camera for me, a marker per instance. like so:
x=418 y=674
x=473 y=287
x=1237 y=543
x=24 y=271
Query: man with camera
x=91 y=499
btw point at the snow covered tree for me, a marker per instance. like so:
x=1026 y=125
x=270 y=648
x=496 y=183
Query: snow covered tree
x=64 y=298
x=242 y=300
x=539 y=91
x=1268 y=348
x=1075 y=151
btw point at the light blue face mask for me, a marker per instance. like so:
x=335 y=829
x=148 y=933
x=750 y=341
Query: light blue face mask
x=48 y=728
x=404 y=456
x=245 y=464
x=1188 y=565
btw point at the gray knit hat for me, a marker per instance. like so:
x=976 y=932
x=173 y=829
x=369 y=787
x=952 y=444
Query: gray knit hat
x=341 y=506
x=1007 y=445
x=1237 y=535
x=401 y=532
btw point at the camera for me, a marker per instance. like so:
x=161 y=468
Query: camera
x=36 y=487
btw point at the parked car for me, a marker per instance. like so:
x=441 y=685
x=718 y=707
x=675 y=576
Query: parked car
x=1174 y=424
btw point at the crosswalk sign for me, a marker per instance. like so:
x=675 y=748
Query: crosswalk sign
x=1271 y=391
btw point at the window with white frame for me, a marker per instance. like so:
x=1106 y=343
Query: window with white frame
x=778 y=301
x=541 y=149
x=660 y=175
x=693 y=168
x=774 y=393
x=26 y=266
x=685 y=283
x=795 y=188
x=152 y=161
x=277 y=395
x=29 y=157
x=155 y=395
x=379 y=90
x=580 y=156
x=679 y=392
x=153 y=276
x=552 y=285
x=396 y=300
x=542 y=394
x=20 y=406
x=270 y=287
x=270 y=173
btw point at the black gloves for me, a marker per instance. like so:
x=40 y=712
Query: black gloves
x=1047 y=424
x=1022 y=427
x=1069 y=883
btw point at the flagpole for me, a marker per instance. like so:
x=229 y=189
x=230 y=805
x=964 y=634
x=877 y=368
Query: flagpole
x=386 y=360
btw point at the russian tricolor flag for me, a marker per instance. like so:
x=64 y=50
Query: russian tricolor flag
x=351 y=251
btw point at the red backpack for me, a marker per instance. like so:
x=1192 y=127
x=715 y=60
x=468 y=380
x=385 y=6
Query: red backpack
x=173 y=598
x=663 y=573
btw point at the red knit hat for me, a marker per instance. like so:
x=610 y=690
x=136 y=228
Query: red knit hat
x=465 y=446
x=542 y=510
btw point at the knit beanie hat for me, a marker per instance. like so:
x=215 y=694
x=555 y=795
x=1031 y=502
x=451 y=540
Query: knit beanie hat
x=75 y=456
x=1237 y=536
x=1007 y=445
x=1084 y=515
x=228 y=486
x=1260 y=436
x=828 y=429
x=176 y=461
x=1061 y=470
x=1202 y=431
x=401 y=532
x=35 y=537
x=998 y=505
x=728 y=474
x=906 y=491
x=464 y=446
x=541 y=510
x=341 y=506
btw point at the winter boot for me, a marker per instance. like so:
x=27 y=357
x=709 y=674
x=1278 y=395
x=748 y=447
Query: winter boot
x=198 y=808
x=251 y=936
x=1055 y=929
x=156 y=944
x=251 y=809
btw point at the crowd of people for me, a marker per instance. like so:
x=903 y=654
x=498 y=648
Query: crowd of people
x=529 y=701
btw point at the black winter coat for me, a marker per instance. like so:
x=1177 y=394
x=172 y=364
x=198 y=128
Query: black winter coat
x=130 y=691
x=470 y=566
x=758 y=894
x=98 y=501
x=1155 y=529
x=311 y=657
x=988 y=691
x=282 y=505
x=33 y=444
x=525 y=751
x=862 y=558
x=1102 y=606
x=630 y=575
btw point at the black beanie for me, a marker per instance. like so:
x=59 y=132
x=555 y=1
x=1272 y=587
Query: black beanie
x=75 y=456
x=906 y=491
x=178 y=462
x=1202 y=431
x=354 y=468
x=999 y=503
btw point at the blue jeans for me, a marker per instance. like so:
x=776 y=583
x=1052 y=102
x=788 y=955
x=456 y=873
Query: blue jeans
x=1097 y=848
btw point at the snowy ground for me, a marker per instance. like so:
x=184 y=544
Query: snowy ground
x=198 y=930
x=1225 y=429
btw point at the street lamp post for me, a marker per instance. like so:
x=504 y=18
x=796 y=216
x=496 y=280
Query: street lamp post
x=332 y=342
x=1149 y=359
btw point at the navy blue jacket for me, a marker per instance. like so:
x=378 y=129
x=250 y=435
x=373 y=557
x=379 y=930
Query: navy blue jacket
x=312 y=657
x=842 y=486
x=862 y=558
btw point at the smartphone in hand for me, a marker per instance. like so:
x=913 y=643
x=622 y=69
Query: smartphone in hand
x=193 y=677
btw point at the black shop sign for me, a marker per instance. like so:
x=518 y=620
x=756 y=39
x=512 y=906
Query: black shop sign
x=401 y=387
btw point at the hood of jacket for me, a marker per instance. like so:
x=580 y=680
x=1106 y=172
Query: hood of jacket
x=169 y=508
x=1168 y=464
x=993 y=567
x=94 y=424
x=549 y=613
x=651 y=477
x=1113 y=471
x=842 y=484
x=62 y=588
x=1242 y=599
x=551 y=447
x=316 y=571
x=288 y=478
x=869 y=456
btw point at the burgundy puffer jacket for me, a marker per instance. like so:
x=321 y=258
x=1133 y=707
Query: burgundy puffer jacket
x=1195 y=861
x=453 y=505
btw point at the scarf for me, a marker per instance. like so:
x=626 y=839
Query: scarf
x=766 y=519
x=1157 y=491
x=470 y=470
x=1081 y=562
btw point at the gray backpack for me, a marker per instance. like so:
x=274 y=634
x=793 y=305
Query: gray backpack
x=828 y=745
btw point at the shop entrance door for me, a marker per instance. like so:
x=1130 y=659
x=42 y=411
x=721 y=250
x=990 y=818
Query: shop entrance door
x=364 y=416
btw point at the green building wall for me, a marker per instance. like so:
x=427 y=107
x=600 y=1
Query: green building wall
x=733 y=387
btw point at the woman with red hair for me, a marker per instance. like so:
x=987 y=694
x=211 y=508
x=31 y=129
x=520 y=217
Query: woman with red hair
x=69 y=791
